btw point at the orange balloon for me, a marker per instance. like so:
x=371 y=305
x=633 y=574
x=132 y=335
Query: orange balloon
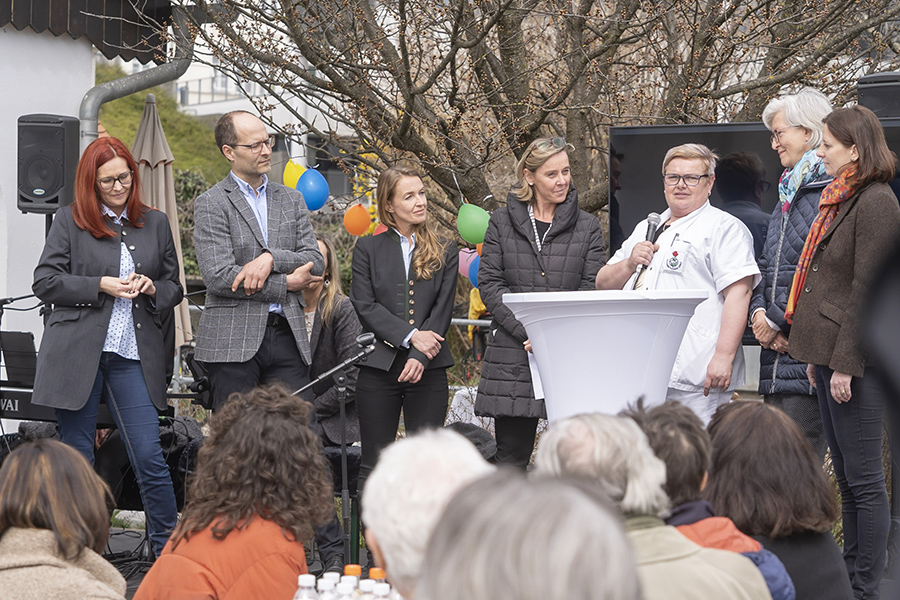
x=478 y=248
x=357 y=220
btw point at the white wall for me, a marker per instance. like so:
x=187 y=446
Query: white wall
x=39 y=73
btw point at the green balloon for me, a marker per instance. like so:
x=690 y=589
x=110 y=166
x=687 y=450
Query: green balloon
x=472 y=222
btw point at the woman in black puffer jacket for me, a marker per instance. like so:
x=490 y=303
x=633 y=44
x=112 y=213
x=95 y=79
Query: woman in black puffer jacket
x=796 y=124
x=539 y=242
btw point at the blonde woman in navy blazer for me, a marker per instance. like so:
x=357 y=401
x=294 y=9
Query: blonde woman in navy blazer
x=406 y=301
x=109 y=268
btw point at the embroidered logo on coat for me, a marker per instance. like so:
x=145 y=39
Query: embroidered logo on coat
x=673 y=262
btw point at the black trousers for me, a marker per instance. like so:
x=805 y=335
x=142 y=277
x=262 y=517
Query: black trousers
x=379 y=399
x=515 y=440
x=276 y=361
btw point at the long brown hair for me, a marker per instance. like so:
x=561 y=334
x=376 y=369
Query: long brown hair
x=261 y=460
x=86 y=209
x=428 y=257
x=765 y=475
x=857 y=125
x=332 y=292
x=49 y=485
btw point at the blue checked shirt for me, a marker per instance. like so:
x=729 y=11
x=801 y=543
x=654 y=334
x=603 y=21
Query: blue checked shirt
x=259 y=205
x=120 y=336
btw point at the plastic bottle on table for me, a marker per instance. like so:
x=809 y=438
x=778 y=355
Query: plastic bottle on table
x=382 y=590
x=366 y=589
x=332 y=576
x=306 y=587
x=326 y=589
x=378 y=574
x=345 y=591
x=352 y=580
x=351 y=569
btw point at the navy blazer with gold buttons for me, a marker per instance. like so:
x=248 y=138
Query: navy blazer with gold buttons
x=391 y=303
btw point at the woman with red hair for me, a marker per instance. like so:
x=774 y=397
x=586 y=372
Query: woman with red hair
x=109 y=269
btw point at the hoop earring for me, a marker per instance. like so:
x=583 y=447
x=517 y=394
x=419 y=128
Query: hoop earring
x=327 y=282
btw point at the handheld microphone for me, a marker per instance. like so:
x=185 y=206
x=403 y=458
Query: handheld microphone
x=653 y=220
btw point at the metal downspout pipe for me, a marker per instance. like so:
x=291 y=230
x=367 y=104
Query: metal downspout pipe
x=89 y=111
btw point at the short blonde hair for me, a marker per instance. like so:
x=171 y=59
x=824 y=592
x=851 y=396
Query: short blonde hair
x=538 y=152
x=692 y=152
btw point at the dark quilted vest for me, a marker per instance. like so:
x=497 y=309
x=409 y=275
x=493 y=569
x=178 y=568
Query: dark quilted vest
x=779 y=373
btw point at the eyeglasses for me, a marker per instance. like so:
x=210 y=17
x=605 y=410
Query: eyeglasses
x=108 y=183
x=556 y=142
x=672 y=179
x=777 y=133
x=258 y=146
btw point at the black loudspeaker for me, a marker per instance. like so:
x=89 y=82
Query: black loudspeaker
x=880 y=93
x=48 y=156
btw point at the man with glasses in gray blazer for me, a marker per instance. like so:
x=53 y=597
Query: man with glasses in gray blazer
x=256 y=251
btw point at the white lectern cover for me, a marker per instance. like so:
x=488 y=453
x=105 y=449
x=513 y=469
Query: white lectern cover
x=598 y=351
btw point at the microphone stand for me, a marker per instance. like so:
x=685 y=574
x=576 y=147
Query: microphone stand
x=5 y=301
x=366 y=342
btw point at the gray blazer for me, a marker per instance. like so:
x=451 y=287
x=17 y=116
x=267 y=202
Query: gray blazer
x=68 y=276
x=227 y=237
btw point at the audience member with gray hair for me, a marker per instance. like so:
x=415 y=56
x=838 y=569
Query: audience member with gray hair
x=614 y=452
x=406 y=494
x=505 y=536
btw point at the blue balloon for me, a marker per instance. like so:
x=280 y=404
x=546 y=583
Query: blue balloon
x=473 y=271
x=314 y=189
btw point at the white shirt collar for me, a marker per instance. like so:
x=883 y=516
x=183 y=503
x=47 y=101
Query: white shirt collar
x=108 y=212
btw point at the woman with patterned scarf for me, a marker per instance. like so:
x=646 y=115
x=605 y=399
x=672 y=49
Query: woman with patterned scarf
x=857 y=226
x=795 y=121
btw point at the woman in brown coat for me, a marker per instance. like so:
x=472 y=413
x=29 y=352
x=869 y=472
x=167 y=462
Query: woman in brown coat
x=858 y=223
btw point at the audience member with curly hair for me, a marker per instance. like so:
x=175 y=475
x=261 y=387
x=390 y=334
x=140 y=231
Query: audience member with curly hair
x=54 y=522
x=261 y=485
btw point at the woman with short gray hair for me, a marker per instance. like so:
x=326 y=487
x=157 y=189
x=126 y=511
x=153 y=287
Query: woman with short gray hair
x=795 y=121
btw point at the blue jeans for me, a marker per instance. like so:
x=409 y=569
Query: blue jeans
x=853 y=430
x=120 y=382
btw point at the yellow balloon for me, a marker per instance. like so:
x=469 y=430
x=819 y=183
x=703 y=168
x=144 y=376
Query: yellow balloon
x=292 y=173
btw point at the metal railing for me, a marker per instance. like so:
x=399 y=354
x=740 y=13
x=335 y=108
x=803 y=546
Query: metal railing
x=181 y=378
x=214 y=89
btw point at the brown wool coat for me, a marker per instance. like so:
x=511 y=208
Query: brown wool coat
x=826 y=322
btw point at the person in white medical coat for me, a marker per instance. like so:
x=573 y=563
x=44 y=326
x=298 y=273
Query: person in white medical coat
x=695 y=247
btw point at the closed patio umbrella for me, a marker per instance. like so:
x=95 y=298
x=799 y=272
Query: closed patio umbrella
x=154 y=158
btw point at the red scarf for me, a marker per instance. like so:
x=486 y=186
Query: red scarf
x=837 y=192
